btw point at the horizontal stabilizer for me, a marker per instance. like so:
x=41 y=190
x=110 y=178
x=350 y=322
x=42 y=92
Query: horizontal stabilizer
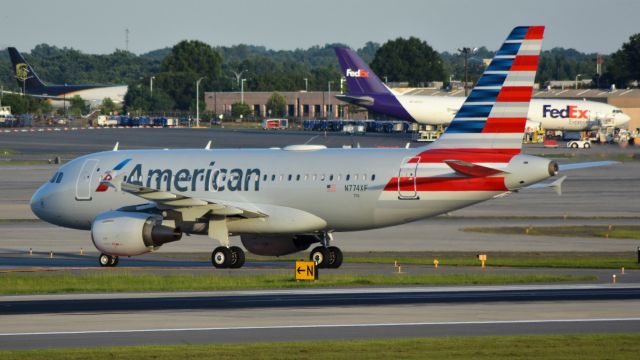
x=470 y=169
x=583 y=165
x=356 y=100
x=555 y=185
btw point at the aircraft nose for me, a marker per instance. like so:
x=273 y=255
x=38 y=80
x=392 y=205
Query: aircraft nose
x=38 y=202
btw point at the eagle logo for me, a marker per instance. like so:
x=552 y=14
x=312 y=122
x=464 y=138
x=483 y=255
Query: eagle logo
x=22 y=71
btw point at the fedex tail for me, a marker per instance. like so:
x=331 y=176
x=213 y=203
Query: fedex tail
x=367 y=90
x=30 y=84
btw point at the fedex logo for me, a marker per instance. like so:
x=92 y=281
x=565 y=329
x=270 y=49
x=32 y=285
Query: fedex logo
x=357 y=73
x=571 y=112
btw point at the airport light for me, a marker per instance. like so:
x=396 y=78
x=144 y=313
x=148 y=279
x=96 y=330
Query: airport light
x=306 y=85
x=238 y=76
x=151 y=85
x=577 y=76
x=198 y=101
x=466 y=52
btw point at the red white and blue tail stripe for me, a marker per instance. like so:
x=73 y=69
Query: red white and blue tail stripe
x=494 y=115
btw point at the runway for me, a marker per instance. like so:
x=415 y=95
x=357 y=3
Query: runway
x=46 y=321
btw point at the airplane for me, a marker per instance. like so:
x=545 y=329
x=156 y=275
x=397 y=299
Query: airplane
x=283 y=200
x=367 y=90
x=57 y=95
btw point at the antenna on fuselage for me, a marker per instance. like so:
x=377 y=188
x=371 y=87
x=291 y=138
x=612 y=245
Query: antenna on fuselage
x=115 y=147
x=208 y=147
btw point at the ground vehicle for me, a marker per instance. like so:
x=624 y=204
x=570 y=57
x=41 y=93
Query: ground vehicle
x=275 y=124
x=576 y=144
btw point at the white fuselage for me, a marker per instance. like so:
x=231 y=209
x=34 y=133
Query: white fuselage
x=94 y=96
x=548 y=114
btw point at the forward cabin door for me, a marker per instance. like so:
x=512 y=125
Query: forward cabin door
x=84 y=181
x=407 y=179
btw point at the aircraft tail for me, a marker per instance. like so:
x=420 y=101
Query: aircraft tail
x=27 y=79
x=493 y=117
x=360 y=79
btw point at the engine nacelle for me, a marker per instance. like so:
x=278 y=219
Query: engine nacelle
x=130 y=233
x=524 y=170
x=277 y=245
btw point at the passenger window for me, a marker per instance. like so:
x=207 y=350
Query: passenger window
x=59 y=178
x=290 y=177
x=273 y=177
x=306 y=177
x=322 y=177
x=281 y=177
x=348 y=177
x=314 y=177
x=355 y=177
x=298 y=177
x=364 y=177
x=338 y=177
x=373 y=177
x=331 y=177
x=264 y=178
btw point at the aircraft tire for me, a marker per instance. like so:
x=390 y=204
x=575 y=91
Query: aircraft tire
x=104 y=260
x=335 y=257
x=221 y=257
x=237 y=257
x=320 y=255
x=114 y=261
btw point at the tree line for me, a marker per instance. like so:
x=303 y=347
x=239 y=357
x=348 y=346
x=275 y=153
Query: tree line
x=176 y=70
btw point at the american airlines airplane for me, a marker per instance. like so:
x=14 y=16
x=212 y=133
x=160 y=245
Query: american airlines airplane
x=367 y=90
x=31 y=84
x=281 y=201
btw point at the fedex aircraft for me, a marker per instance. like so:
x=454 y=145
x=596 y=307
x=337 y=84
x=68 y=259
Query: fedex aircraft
x=31 y=84
x=281 y=201
x=367 y=90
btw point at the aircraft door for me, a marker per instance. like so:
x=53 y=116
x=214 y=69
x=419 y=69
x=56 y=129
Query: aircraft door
x=83 y=183
x=407 y=179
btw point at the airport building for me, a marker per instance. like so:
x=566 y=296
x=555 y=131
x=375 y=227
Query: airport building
x=323 y=105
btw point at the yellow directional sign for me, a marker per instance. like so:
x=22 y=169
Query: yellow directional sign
x=306 y=270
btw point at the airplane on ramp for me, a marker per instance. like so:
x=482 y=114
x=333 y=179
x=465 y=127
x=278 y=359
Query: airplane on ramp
x=282 y=201
x=57 y=95
x=367 y=90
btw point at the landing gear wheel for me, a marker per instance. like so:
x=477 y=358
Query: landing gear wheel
x=221 y=257
x=237 y=257
x=320 y=255
x=107 y=260
x=335 y=257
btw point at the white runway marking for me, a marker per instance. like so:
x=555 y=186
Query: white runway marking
x=318 y=326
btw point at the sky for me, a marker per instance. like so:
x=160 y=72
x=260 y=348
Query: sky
x=99 y=26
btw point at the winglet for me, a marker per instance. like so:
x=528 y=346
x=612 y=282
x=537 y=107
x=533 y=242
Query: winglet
x=208 y=146
x=115 y=147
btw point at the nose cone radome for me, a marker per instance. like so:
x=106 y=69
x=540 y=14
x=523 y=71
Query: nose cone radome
x=39 y=202
x=622 y=120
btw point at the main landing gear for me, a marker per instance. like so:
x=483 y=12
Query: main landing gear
x=224 y=257
x=108 y=260
x=325 y=256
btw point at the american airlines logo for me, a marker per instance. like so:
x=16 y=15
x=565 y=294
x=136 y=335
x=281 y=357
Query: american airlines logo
x=357 y=73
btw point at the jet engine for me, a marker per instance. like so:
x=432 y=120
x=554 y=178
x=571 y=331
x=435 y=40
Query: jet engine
x=524 y=170
x=277 y=245
x=130 y=233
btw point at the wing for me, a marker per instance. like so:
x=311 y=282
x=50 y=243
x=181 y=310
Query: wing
x=169 y=200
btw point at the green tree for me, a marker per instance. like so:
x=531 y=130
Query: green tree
x=77 y=105
x=108 y=106
x=624 y=66
x=411 y=60
x=276 y=104
x=238 y=109
x=188 y=61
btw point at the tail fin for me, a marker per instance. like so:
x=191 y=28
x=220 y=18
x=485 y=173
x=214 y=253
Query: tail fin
x=28 y=80
x=495 y=113
x=360 y=79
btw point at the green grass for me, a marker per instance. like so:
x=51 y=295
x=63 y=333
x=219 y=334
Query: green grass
x=24 y=162
x=504 y=259
x=7 y=152
x=561 y=347
x=594 y=231
x=16 y=283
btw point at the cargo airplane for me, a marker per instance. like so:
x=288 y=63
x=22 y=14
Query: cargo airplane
x=281 y=201
x=367 y=90
x=30 y=84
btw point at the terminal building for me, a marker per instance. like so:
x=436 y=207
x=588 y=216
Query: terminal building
x=323 y=105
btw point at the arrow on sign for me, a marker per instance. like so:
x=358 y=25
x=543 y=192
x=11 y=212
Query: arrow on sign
x=300 y=270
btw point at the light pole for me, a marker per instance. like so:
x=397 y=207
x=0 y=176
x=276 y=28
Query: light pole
x=198 y=101
x=577 y=76
x=238 y=75
x=466 y=51
x=242 y=91
x=329 y=107
x=151 y=85
x=306 y=85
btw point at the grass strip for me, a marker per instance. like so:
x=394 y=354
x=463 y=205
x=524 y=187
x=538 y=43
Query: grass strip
x=127 y=282
x=562 y=347
x=504 y=259
x=594 y=231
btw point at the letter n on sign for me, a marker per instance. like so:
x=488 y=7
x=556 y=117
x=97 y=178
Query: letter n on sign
x=306 y=270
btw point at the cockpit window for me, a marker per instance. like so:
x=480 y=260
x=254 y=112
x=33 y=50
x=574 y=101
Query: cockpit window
x=617 y=111
x=59 y=178
x=54 y=177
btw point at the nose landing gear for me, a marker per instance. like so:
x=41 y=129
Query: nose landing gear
x=224 y=257
x=328 y=257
